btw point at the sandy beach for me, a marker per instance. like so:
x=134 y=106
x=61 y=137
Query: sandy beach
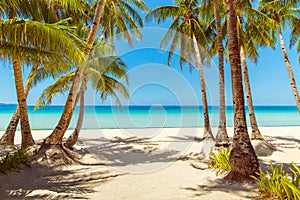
x=139 y=164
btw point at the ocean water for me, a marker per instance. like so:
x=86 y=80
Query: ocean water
x=105 y=117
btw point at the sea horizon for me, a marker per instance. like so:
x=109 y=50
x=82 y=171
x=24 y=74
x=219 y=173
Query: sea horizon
x=149 y=116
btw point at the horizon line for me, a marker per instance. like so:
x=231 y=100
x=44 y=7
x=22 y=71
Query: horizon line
x=154 y=105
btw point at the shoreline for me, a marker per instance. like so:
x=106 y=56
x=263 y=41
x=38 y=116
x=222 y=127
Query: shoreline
x=131 y=128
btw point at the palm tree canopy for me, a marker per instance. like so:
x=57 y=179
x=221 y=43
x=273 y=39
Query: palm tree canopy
x=54 y=43
x=57 y=48
x=255 y=30
x=104 y=71
x=44 y=10
x=286 y=14
x=121 y=19
x=185 y=24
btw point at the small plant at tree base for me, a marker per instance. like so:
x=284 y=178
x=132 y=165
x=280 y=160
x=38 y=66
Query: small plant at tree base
x=278 y=184
x=13 y=161
x=220 y=161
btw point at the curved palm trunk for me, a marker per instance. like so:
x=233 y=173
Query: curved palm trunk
x=243 y=159
x=73 y=138
x=289 y=68
x=207 y=130
x=27 y=139
x=222 y=137
x=256 y=135
x=9 y=135
x=56 y=136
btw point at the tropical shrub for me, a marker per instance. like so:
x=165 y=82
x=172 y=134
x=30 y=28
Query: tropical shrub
x=220 y=161
x=13 y=161
x=278 y=184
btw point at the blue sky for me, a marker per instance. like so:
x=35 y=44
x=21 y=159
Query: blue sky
x=152 y=82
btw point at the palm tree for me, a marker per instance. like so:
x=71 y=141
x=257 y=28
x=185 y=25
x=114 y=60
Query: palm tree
x=284 y=13
x=243 y=159
x=21 y=44
x=27 y=139
x=222 y=137
x=255 y=30
x=54 y=140
x=256 y=134
x=187 y=32
x=102 y=70
x=104 y=79
x=37 y=11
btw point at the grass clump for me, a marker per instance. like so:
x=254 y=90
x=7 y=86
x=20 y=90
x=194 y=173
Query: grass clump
x=278 y=184
x=13 y=161
x=220 y=161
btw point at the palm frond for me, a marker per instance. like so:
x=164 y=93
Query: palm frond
x=61 y=86
x=75 y=6
x=161 y=14
x=51 y=39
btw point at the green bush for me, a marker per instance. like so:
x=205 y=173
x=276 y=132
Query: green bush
x=13 y=161
x=220 y=161
x=277 y=183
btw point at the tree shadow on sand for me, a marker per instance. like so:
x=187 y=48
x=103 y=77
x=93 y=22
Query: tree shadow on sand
x=186 y=138
x=265 y=165
x=243 y=191
x=42 y=182
x=287 y=142
x=129 y=151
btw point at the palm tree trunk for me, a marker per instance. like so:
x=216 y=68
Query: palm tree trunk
x=56 y=136
x=73 y=138
x=243 y=159
x=207 y=130
x=222 y=137
x=289 y=68
x=27 y=139
x=9 y=135
x=256 y=135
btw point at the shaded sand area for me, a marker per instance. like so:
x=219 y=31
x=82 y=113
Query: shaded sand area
x=142 y=164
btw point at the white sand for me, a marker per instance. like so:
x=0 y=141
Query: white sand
x=141 y=164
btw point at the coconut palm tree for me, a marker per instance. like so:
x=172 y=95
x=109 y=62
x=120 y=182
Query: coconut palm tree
x=104 y=71
x=187 y=32
x=254 y=30
x=284 y=13
x=21 y=45
x=37 y=11
x=243 y=159
x=9 y=9
x=222 y=136
x=54 y=140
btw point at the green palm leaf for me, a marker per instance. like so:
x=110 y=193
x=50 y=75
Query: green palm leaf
x=61 y=86
x=104 y=71
x=54 y=43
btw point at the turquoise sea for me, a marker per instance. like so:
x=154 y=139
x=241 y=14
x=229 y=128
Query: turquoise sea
x=149 y=116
